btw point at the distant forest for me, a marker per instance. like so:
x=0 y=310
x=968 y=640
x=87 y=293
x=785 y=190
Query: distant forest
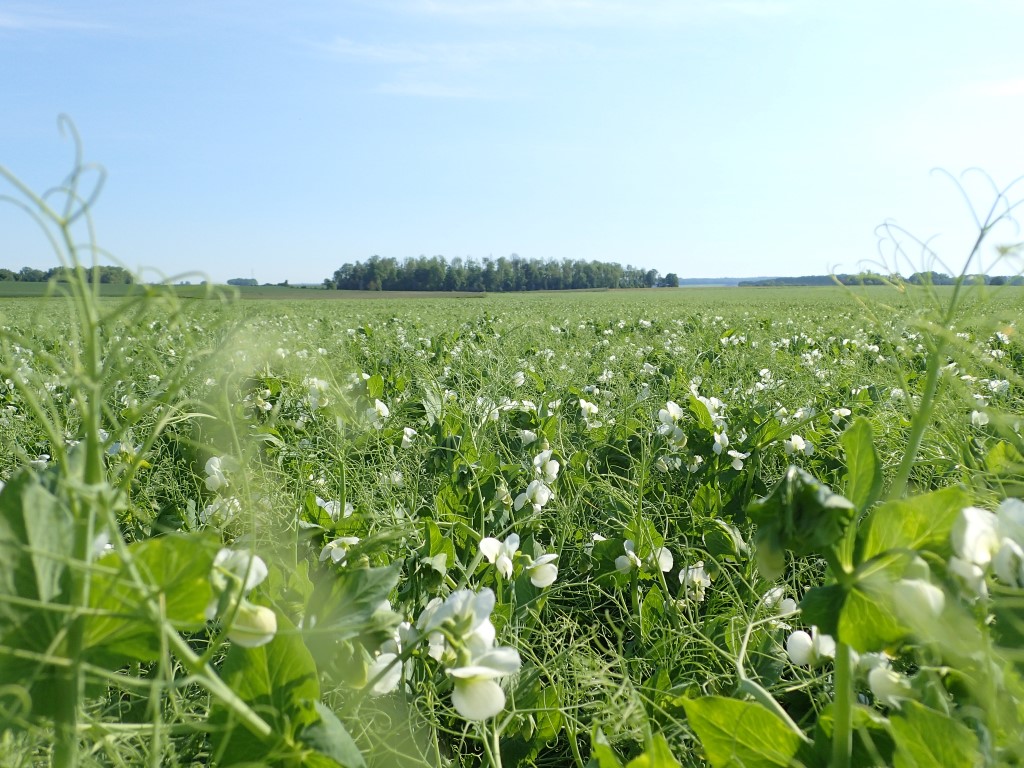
x=870 y=278
x=108 y=275
x=491 y=275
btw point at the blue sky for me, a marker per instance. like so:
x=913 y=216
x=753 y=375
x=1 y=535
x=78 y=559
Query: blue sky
x=702 y=137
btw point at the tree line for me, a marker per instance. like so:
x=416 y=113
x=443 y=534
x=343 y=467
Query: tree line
x=435 y=273
x=108 y=275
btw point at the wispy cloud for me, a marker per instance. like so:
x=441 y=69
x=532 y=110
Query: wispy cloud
x=21 y=19
x=592 y=12
x=452 y=55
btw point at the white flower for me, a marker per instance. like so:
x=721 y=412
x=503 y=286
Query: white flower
x=252 y=625
x=215 y=478
x=332 y=508
x=317 y=393
x=810 y=650
x=518 y=379
x=408 y=433
x=721 y=443
x=888 y=686
x=337 y=550
x=796 y=444
x=237 y=572
x=537 y=494
x=377 y=414
x=971 y=577
x=387 y=673
x=737 y=459
x=500 y=554
x=670 y=416
x=975 y=536
x=543 y=572
x=476 y=695
x=528 y=437
x=238 y=566
x=695 y=581
x=1008 y=563
x=694 y=465
x=783 y=606
x=627 y=562
x=838 y=414
x=919 y=598
x=979 y=418
x=545 y=468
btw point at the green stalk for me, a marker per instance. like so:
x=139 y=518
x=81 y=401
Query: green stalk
x=921 y=420
x=842 y=728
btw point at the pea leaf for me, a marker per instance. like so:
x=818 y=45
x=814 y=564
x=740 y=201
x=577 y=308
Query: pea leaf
x=329 y=737
x=920 y=522
x=742 y=734
x=929 y=739
x=863 y=480
x=279 y=681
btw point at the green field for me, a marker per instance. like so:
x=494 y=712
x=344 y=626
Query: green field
x=526 y=529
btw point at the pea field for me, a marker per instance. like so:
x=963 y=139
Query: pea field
x=725 y=527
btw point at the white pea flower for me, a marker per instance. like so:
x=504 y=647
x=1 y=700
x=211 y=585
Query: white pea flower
x=971 y=577
x=543 y=572
x=528 y=437
x=796 y=444
x=627 y=562
x=1008 y=563
x=377 y=414
x=237 y=572
x=546 y=468
x=408 y=433
x=694 y=465
x=670 y=416
x=536 y=494
x=838 y=414
x=888 y=686
x=518 y=379
x=776 y=600
x=810 y=650
x=695 y=581
x=975 y=536
x=979 y=418
x=252 y=625
x=337 y=550
x=215 y=477
x=589 y=411
x=737 y=459
x=500 y=553
x=721 y=443
x=476 y=695
x=317 y=393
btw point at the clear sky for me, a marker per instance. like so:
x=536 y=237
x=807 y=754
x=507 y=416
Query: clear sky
x=279 y=140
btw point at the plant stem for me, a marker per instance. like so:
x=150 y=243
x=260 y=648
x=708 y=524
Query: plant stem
x=842 y=728
x=922 y=417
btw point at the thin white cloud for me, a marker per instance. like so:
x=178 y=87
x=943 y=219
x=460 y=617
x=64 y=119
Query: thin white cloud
x=25 y=20
x=444 y=54
x=592 y=12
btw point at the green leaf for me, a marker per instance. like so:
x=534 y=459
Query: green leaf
x=175 y=571
x=863 y=480
x=652 y=612
x=657 y=755
x=742 y=734
x=821 y=607
x=920 y=522
x=277 y=680
x=929 y=739
x=36 y=542
x=702 y=414
x=867 y=621
x=1004 y=459
x=375 y=387
x=601 y=753
x=331 y=739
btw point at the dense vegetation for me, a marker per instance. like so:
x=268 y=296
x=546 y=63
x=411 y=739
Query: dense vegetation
x=102 y=274
x=871 y=278
x=500 y=275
